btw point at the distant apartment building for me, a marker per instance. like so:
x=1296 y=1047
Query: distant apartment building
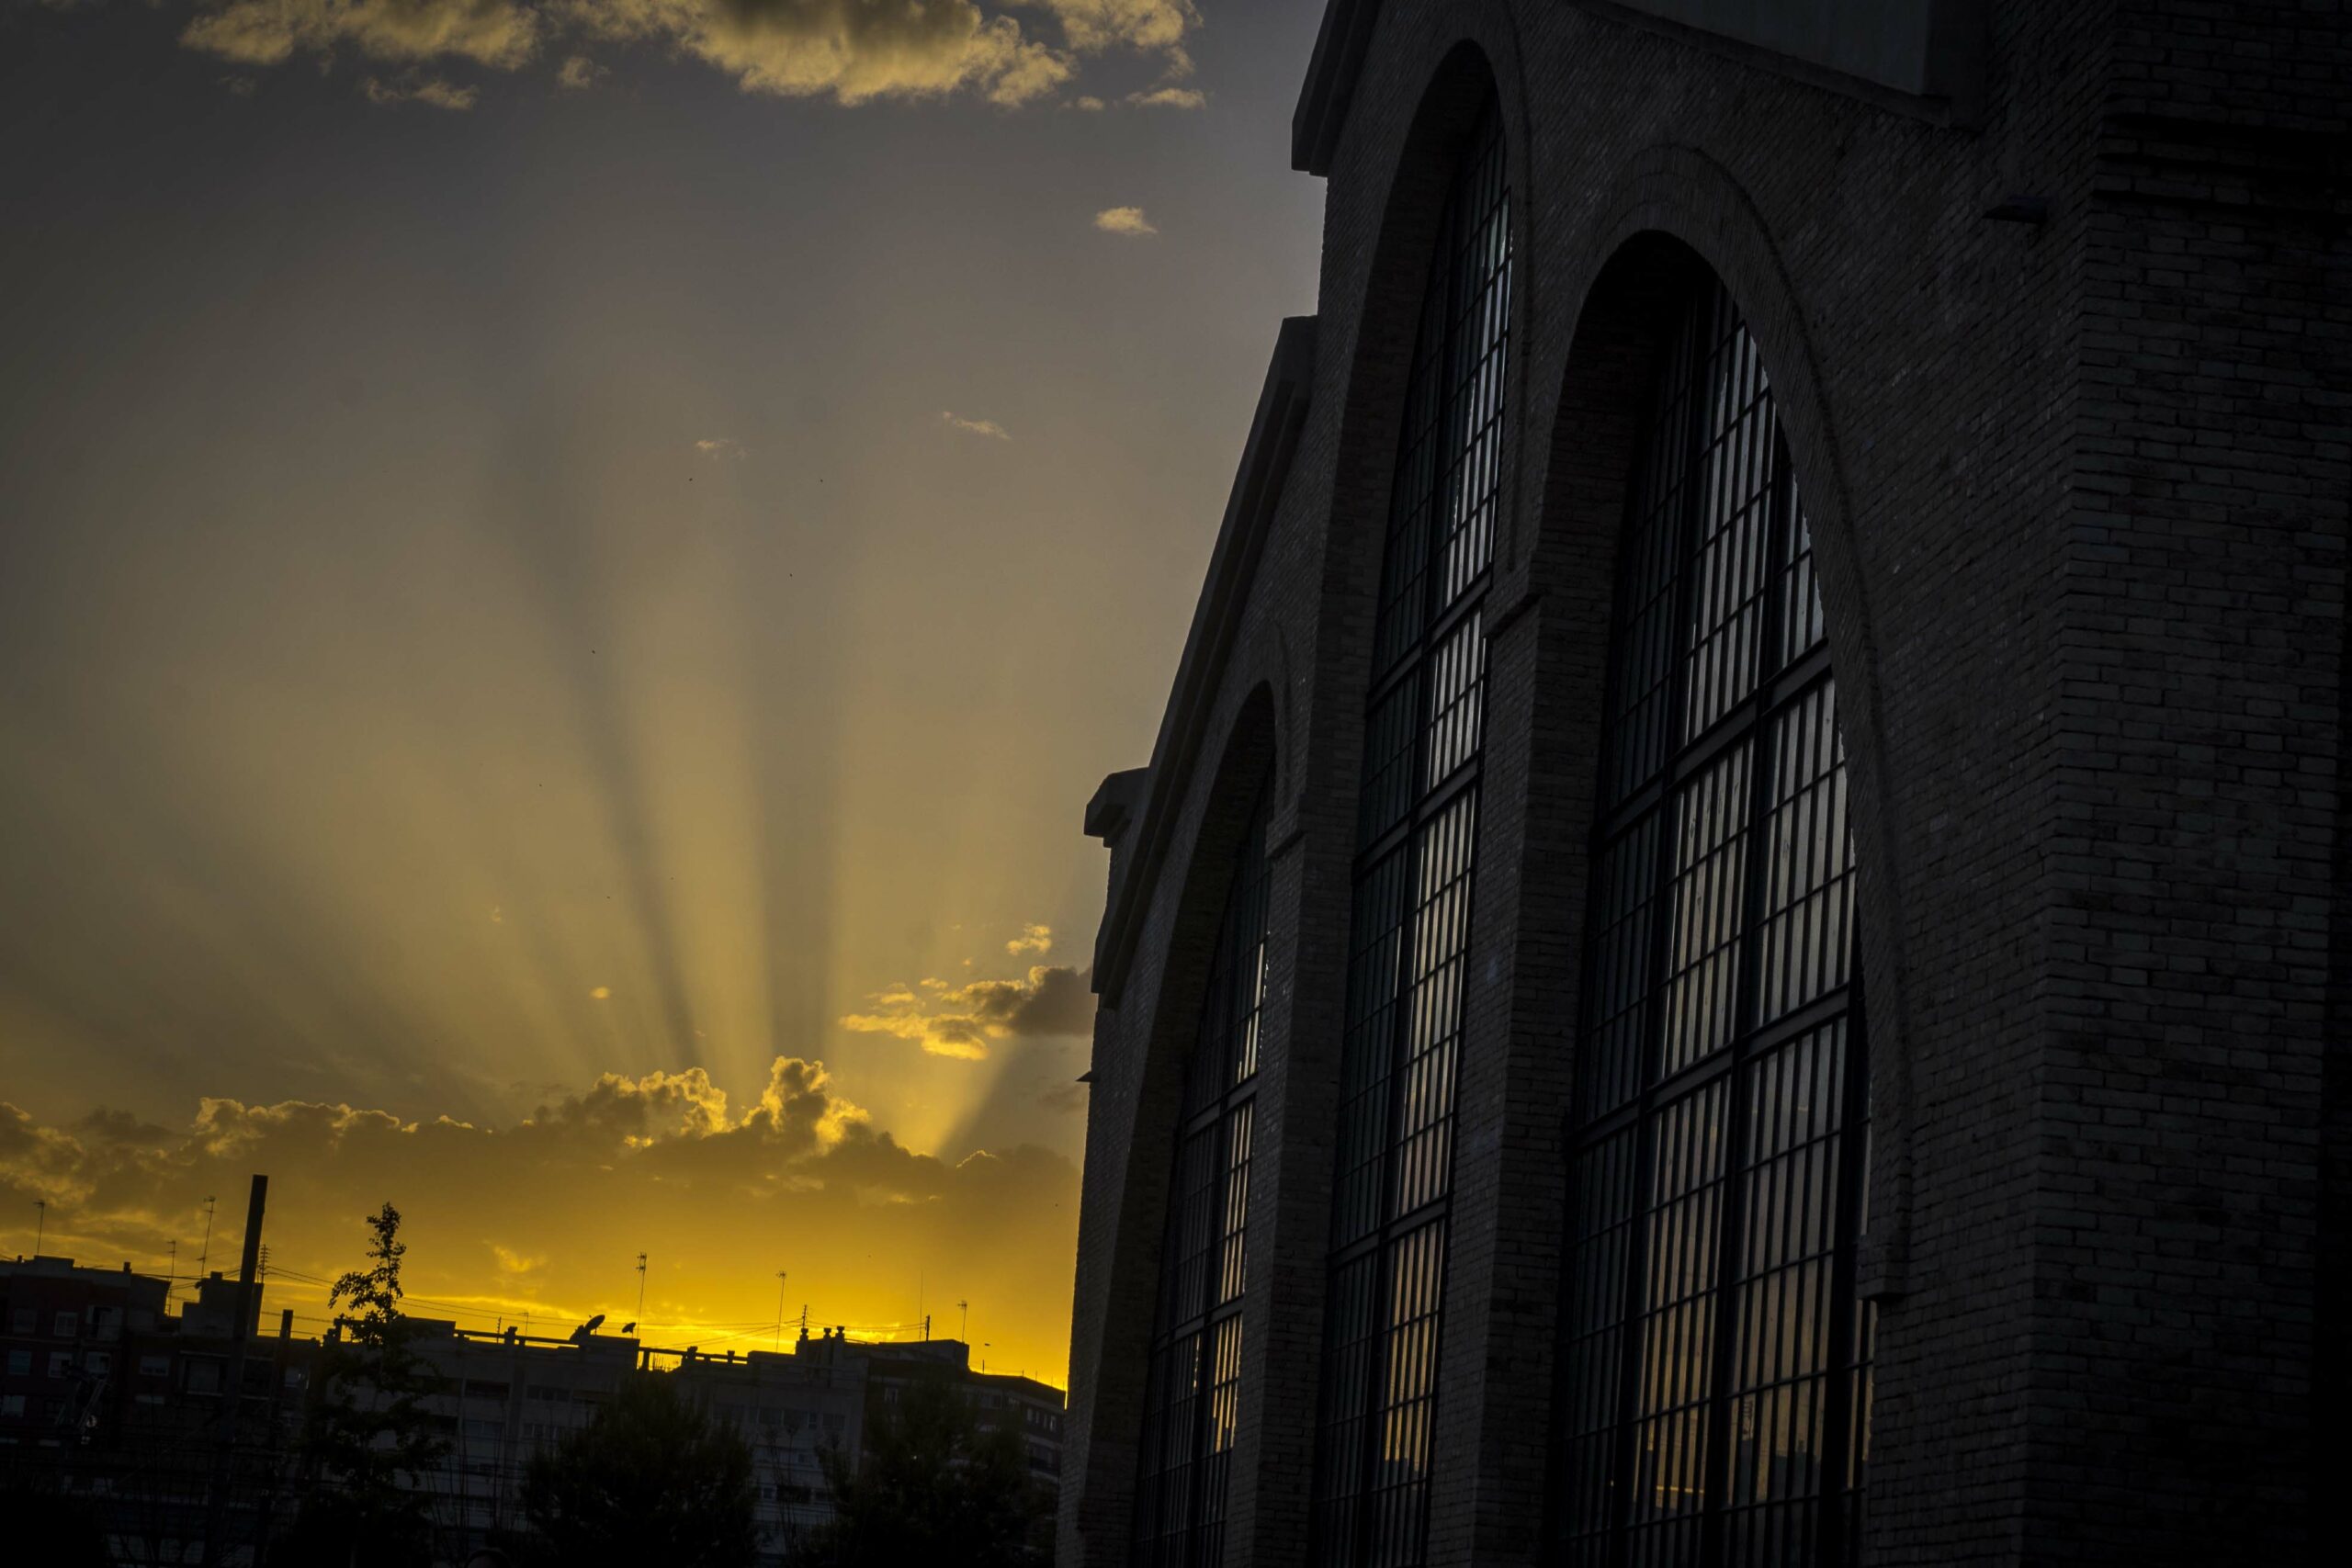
x=110 y=1396
x=507 y=1397
x=61 y=1331
x=120 y=1402
x=1032 y=1410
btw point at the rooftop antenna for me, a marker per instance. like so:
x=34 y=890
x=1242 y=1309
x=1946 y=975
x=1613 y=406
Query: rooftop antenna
x=779 y=1309
x=204 y=1258
x=640 y=1287
x=172 y=1271
x=41 y=1222
x=964 y=1330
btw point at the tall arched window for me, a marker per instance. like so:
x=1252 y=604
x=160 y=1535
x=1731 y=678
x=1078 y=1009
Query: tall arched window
x=1715 y=1366
x=1417 y=836
x=1193 y=1404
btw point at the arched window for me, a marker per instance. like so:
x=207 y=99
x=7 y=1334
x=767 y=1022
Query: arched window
x=1716 y=1365
x=1193 y=1404
x=1410 y=933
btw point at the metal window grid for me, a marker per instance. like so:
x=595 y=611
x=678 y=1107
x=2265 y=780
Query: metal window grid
x=1713 y=1406
x=1418 y=821
x=1191 y=1406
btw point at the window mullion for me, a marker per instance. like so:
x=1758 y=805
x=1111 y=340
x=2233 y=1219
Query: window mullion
x=1762 y=778
x=1660 y=956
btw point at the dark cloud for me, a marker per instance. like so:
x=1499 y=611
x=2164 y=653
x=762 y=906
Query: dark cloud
x=121 y=1127
x=960 y=1021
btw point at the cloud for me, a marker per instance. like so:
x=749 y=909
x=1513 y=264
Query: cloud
x=987 y=427
x=546 y=1213
x=962 y=1020
x=1088 y=102
x=498 y=33
x=1127 y=220
x=1148 y=27
x=421 y=90
x=720 y=446
x=1065 y=1099
x=1170 y=98
x=513 y=1262
x=1032 y=939
x=851 y=52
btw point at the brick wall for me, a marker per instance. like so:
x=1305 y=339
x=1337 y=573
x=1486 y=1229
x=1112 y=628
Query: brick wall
x=2079 y=493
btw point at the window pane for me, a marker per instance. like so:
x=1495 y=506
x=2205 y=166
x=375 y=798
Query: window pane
x=1192 y=1402
x=1716 y=1365
x=1409 y=943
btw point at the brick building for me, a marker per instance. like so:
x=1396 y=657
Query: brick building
x=1734 y=946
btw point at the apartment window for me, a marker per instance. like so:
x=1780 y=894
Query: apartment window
x=22 y=1320
x=155 y=1366
x=61 y=1363
x=12 y=1405
x=1192 y=1403
x=20 y=1363
x=1715 y=1363
x=1410 y=923
x=65 y=1325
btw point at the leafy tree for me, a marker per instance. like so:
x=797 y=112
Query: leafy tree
x=653 y=1479
x=370 y=1442
x=934 y=1487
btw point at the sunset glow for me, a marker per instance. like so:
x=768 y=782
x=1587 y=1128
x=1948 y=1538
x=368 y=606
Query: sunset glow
x=570 y=571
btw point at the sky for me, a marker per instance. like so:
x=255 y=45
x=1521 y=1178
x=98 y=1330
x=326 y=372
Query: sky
x=567 y=569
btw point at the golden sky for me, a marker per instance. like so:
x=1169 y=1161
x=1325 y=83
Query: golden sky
x=566 y=572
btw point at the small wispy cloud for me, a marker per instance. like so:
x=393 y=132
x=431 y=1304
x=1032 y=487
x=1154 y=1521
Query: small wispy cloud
x=1088 y=102
x=1170 y=98
x=511 y=1261
x=420 y=90
x=579 y=73
x=984 y=427
x=1128 y=221
x=1032 y=939
x=720 y=446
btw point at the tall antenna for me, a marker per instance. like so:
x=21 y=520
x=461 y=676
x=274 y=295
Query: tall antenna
x=204 y=1258
x=640 y=1287
x=965 y=1331
x=172 y=1271
x=41 y=1222
x=779 y=1309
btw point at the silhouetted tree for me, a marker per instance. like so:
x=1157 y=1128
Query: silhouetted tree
x=934 y=1487
x=653 y=1479
x=370 y=1440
